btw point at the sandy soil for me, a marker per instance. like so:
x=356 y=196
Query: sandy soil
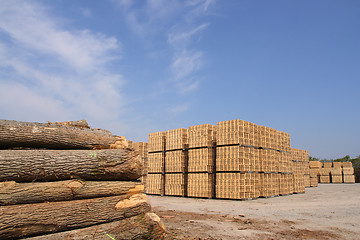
x=330 y=211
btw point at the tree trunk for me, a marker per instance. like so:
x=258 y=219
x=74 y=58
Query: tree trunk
x=144 y=226
x=20 y=193
x=28 y=220
x=55 y=165
x=56 y=136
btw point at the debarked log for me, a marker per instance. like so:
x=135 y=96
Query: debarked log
x=26 y=220
x=55 y=165
x=144 y=226
x=20 y=193
x=56 y=136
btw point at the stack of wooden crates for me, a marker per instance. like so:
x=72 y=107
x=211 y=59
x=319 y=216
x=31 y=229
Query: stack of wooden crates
x=234 y=160
x=333 y=172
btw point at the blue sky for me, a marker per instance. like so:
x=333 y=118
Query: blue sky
x=135 y=67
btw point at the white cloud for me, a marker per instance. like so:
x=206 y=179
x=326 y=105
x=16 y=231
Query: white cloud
x=186 y=63
x=86 y=12
x=48 y=72
x=180 y=39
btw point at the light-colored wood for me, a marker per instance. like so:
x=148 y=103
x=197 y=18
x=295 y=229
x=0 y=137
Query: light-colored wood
x=68 y=135
x=36 y=192
x=26 y=220
x=144 y=226
x=55 y=165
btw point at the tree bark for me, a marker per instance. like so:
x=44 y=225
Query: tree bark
x=26 y=220
x=19 y=193
x=55 y=165
x=56 y=136
x=144 y=226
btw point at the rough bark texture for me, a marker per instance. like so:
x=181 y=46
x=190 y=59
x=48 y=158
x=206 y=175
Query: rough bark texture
x=36 y=192
x=67 y=135
x=28 y=220
x=55 y=165
x=144 y=226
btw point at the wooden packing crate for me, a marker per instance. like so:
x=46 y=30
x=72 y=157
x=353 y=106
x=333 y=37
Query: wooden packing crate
x=327 y=164
x=314 y=182
x=176 y=139
x=336 y=171
x=269 y=184
x=347 y=165
x=237 y=132
x=155 y=184
x=349 y=178
x=269 y=160
x=315 y=164
x=200 y=185
x=237 y=185
x=284 y=162
x=336 y=179
x=156 y=142
x=201 y=160
x=314 y=172
x=175 y=161
x=325 y=171
x=155 y=163
x=141 y=148
x=299 y=182
x=175 y=184
x=202 y=135
x=285 y=183
x=237 y=158
x=324 y=179
x=348 y=170
x=337 y=164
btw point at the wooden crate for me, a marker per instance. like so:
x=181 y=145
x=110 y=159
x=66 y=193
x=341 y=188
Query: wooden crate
x=336 y=171
x=324 y=171
x=269 y=161
x=307 y=181
x=202 y=135
x=237 y=132
x=347 y=165
x=313 y=182
x=156 y=142
x=349 y=178
x=314 y=172
x=299 y=182
x=155 y=163
x=201 y=160
x=237 y=185
x=286 y=183
x=327 y=164
x=315 y=164
x=324 y=178
x=237 y=158
x=176 y=139
x=348 y=170
x=337 y=164
x=336 y=179
x=175 y=161
x=155 y=184
x=175 y=184
x=200 y=185
x=269 y=184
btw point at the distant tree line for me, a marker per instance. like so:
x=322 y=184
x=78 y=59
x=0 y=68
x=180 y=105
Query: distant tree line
x=347 y=158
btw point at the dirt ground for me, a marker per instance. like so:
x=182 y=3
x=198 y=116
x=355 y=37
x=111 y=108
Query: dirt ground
x=330 y=211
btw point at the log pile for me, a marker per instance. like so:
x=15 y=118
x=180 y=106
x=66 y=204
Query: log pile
x=81 y=184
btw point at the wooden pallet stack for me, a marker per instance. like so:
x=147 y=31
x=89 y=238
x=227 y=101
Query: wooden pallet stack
x=269 y=185
x=176 y=162
x=314 y=170
x=142 y=149
x=336 y=173
x=83 y=189
x=301 y=170
x=201 y=162
x=348 y=172
x=237 y=159
x=155 y=183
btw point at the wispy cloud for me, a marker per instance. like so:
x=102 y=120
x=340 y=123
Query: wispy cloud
x=180 y=23
x=53 y=72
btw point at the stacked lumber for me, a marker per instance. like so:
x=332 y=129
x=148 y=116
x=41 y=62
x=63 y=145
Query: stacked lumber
x=142 y=149
x=201 y=161
x=71 y=194
x=286 y=184
x=237 y=185
x=175 y=184
x=348 y=172
x=176 y=139
x=237 y=158
x=175 y=161
x=269 y=184
x=155 y=180
x=334 y=172
x=315 y=167
x=301 y=169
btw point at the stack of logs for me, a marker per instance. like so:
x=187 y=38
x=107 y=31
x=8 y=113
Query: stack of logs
x=68 y=181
